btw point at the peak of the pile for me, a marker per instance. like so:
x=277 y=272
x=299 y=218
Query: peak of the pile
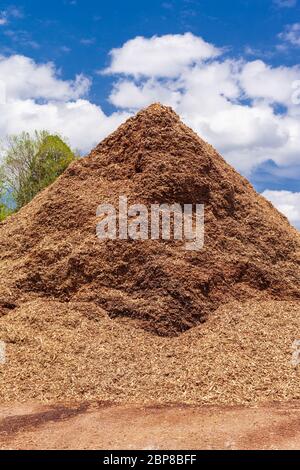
x=154 y=126
x=158 y=109
x=158 y=114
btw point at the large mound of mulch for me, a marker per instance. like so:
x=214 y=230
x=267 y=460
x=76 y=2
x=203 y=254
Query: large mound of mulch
x=147 y=321
x=49 y=249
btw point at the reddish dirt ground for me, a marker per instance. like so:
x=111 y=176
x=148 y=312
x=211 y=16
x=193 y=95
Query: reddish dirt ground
x=101 y=426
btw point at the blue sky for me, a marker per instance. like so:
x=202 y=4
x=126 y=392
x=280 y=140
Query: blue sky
x=78 y=35
x=236 y=92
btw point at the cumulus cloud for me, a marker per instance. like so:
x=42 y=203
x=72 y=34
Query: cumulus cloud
x=24 y=79
x=81 y=122
x=33 y=96
x=163 y=56
x=291 y=34
x=262 y=81
x=286 y=202
x=245 y=108
x=127 y=94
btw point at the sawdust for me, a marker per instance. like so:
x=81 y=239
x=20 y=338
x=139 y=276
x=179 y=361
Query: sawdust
x=60 y=351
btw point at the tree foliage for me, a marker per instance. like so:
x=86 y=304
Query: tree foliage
x=4 y=210
x=29 y=165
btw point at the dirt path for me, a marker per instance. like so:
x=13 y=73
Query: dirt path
x=97 y=426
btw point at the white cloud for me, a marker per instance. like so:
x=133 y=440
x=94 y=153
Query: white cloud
x=11 y=12
x=286 y=202
x=37 y=98
x=3 y=18
x=262 y=81
x=160 y=56
x=25 y=79
x=127 y=94
x=291 y=34
x=231 y=103
x=81 y=122
x=243 y=108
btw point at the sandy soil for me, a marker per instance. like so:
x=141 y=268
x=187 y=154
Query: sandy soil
x=101 y=426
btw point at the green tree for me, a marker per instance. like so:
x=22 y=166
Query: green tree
x=4 y=209
x=31 y=163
